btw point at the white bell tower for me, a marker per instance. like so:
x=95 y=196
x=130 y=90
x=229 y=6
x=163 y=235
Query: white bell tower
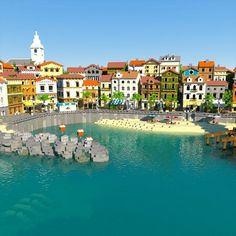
x=37 y=50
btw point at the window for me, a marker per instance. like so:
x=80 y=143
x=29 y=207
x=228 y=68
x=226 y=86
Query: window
x=173 y=79
x=165 y=86
x=128 y=82
x=214 y=95
x=173 y=86
x=67 y=84
x=77 y=84
x=221 y=95
x=187 y=96
x=133 y=81
x=115 y=88
x=200 y=87
x=123 y=88
x=172 y=95
x=46 y=69
x=51 y=70
x=77 y=94
x=194 y=96
x=57 y=69
x=134 y=88
x=210 y=70
x=165 y=96
x=203 y=70
x=103 y=85
x=68 y=94
x=191 y=72
x=42 y=88
x=194 y=87
x=50 y=88
x=35 y=50
x=122 y=81
x=209 y=76
x=200 y=96
x=128 y=95
x=165 y=79
x=114 y=81
x=188 y=87
x=128 y=88
x=109 y=86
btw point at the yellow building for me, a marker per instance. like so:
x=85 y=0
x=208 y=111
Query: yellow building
x=51 y=69
x=152 y=68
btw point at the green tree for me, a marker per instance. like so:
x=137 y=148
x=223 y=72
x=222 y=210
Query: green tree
x=104 y=98
x=152 y=100
x=227 y=98
x=118 y=95
x=44 y=98
x=208 y=105
x=136 y=98
x=86 y=96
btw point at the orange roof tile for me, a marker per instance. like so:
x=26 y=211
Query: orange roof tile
x=70 y=76
x=49 y=62
x=217 y=83
x=116 y=65
x=171 y=71
x=7 y=66
x=145 y=79
x=152 y=60
x=106 y=78
x=136 y=62
x=93 y=65
x=194 y=79
x=75 y=69
x=126 y=75
x=90 y=83
x=184 y=68
x=44 y=78
x=206 y=64
x=25 y=76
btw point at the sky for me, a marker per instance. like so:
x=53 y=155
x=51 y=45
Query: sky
x=76 y=32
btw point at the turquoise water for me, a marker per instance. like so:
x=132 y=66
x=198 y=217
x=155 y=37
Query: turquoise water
x=154 y=184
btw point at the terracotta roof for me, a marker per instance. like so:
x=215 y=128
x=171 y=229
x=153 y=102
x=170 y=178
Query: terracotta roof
x=116 y=65
x=194 y=79
x=104 y=69
x=93 y=65
x=184 y=68
x=75 y=69
x=145 y=79
x=49 y=62
x=136 y=63
x=44 y=78
x=152 y=60
x=126 y=75
x=106 y=78
x=206 y=64
x=7 y=66
x=9 y=75
x=70 y=76
x=24 y=68
x=25 y=76
x=221 y=69
x=90 y=83
x=217 y=83
x=170 y=71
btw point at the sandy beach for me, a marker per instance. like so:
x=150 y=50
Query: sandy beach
x=186 y=127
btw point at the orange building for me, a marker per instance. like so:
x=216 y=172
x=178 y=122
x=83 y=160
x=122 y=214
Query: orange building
x=206 y=69
x=90 y=93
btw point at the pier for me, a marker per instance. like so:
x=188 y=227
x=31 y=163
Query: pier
x=224 y=137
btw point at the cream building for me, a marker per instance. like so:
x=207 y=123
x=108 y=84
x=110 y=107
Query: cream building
x=51 y=69
x=151 y=68
x=170 y=63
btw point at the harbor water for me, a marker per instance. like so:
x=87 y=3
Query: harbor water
x=154 y=184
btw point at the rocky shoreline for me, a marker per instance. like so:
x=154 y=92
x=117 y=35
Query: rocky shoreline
x=50 y=146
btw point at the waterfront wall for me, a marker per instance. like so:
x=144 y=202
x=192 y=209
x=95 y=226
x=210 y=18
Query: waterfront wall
x=66 y=118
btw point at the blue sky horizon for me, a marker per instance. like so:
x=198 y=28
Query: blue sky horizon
x=84 y=32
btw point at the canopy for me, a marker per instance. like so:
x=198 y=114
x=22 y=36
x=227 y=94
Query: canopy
x=117 y=102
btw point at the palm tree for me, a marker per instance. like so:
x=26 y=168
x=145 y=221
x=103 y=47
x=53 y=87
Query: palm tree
x=86 y=95
x=136 y=98
x=104 y=98
x=43 y=98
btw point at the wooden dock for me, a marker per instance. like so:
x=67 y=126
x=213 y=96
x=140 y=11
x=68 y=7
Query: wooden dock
x=225 y=137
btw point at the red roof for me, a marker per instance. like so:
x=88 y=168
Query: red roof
x=25 y=76
x=2 y=80
x=70 y=76
x=49 y=62
x=145 y=80
x=152 y=60
x=136 y=63
x=206 y=64
x=90 y=83
x=9 y=75
x=93 y=65
x=106 y=78
x=116 y=65
x=44 y=78
x=75 y=69
x=24 y=68
x=184 y=68
x=126 y=75
x=217 y=83
x=194 y=79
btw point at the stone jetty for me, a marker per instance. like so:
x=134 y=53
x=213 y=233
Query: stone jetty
x=50 y=146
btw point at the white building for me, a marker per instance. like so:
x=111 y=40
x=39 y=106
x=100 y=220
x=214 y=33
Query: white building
x=69 y=87
x=137 y=65
x=48 y=86
x=3 y=97
x=126 y=82
x=194 y=91
x=93 y=72
x=170 y=63
x=37 y=50
x=220 y=73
